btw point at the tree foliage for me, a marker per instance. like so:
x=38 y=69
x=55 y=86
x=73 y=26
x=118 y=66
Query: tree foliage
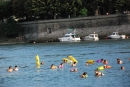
x=10 y=28
x=5 y=9
x=50 y=9
x=83 y=12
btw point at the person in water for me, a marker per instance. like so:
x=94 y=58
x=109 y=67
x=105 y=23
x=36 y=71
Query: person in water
x=42 y=63
x=119 y=61
x=84 y=75
x=86 y=63
x=105 y=62
x=97 y=73
x=53 y=66
x=122 y=67
x=15 y=68
x=10 y=69
x=74 y=70
x=102 y=60
x=61 y=65
x=74 y=64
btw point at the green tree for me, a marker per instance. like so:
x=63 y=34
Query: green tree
x=18 y=7
x=28 y=9
x=90 y=5
x=119 y=5
x=83 y=12
x=70 y=7
x=49 y=9
x=5 y=9
x=53 y=8
x=76 y=7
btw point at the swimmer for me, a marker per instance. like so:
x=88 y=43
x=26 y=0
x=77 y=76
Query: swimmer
x=122 y=67
x=53 y=66
x=42 y=63
x=61 y=65
x=86 y=63
x=105 y=62
x=10 y=69
x=74 y=70
x=119 y=61
x=97 y=73
x=74 y=64
x=102 y=60
x=84 y=75
x=15 y=68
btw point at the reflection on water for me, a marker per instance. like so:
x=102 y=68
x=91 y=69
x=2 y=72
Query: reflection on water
x=23 y=55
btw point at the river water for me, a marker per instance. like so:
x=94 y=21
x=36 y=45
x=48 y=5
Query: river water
x=28 y=75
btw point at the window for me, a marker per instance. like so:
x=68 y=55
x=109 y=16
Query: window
x=49 y=30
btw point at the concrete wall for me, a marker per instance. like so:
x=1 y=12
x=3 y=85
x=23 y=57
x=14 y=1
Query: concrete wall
x=53 y=29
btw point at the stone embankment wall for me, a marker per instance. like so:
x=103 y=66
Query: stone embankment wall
x=47 y=30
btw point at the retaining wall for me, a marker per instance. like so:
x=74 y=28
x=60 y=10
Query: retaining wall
x=46 y=30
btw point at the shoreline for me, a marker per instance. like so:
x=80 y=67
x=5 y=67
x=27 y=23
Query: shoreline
x=6 y=41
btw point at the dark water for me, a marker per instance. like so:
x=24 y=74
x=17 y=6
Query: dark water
x=23 y=55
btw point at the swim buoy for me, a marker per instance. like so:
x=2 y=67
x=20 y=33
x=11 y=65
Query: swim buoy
x=72 y=58
x=90 y=61
x=100 y=68
x=37 y=61
x=66 y=60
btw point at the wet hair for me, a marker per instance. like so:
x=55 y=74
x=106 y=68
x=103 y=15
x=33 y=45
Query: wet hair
x=42 y=62
x=84 y=73
x=122 y=67
x=96 y=70
x=74 y=62
x=10 y=67
x=118 y=59
x=102 y=59
x=52 y=64
x=96 y=73
x=15 y=66
x=105 y=60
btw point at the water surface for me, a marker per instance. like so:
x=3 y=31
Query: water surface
x=23 y=55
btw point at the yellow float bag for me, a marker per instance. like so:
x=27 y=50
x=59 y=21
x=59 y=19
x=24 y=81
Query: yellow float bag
x=73 y=59
x=100 y=68
x=65 y=59
x=90 y=61
x=37 y=60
